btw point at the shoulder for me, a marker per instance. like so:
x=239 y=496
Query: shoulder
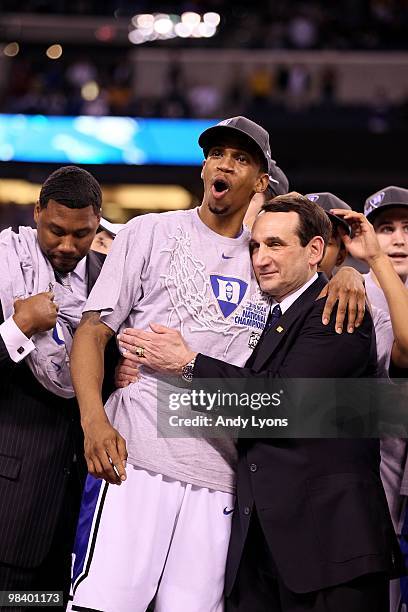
x=314 y=319
x=153 y=220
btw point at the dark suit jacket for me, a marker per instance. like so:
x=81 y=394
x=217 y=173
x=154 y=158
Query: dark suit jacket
x=320 y=502
x=39 y=435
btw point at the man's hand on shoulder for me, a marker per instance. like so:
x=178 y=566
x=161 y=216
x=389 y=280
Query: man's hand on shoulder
x=346 y=288
x=105 y=451
x=35 y=314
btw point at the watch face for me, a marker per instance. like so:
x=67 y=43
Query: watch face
x=187 y=371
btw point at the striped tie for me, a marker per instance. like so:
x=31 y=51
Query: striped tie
x=64 y=279
x=274 y=317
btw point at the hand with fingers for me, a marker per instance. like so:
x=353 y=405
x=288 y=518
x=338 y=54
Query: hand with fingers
x=346 y=288
x=163 y=349
x=363 y=243
x=105 y=451
x=126 y=372
x=35 y=314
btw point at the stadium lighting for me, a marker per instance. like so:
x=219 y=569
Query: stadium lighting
x=12 y=49
x=160 y=26
x=90 y=91
x=190 y=18
x=54 y=52
x=213 y=19
x=163 y=25
x=182 y=30
x=136 y=37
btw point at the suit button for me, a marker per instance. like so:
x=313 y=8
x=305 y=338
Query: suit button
x=247 y=510
x=253 y=467
x=66 y=471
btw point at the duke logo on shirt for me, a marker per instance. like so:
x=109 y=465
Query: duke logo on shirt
x=229 y=292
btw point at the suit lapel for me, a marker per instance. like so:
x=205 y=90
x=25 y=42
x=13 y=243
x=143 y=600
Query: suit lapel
x=94 y=262
x=272 y=338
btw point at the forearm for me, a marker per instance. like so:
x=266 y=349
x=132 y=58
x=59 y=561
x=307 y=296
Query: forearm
x=396 y=295
x=87 y=366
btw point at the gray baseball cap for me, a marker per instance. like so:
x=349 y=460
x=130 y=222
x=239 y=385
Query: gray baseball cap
x=327 y=201
x=254 y=133
x=389 y=196
x=278 y=181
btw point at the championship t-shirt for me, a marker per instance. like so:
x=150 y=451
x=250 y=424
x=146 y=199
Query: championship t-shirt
x=170 y=268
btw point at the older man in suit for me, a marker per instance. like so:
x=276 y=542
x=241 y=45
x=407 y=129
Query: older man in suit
x=311 y=528
x=45 y=278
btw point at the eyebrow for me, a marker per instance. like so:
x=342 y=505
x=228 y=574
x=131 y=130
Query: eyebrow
x=275 y=239
x=55 y=226
x=391 y=221
x=237 y=149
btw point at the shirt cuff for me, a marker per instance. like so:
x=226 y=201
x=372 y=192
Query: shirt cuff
x=17 y=344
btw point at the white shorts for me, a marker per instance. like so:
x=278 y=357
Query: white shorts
x=150 y=536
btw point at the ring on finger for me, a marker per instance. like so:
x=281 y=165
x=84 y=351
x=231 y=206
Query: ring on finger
x=139 y=351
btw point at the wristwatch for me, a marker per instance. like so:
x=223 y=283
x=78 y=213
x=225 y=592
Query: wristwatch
x=188 y=370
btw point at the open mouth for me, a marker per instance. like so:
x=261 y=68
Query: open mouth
x=398 y=255
x=219 y=188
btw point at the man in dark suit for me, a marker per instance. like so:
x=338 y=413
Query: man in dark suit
x=311 y=528
x=41 y=447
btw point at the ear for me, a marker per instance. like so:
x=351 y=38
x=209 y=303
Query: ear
x=316 y=249
x=37 y=211
x=261 y=183
x=202 y=169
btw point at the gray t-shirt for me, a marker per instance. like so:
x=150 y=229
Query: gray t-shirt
x=170 y=268
x=382 y=323
x=374 y=293
x=384 y=338
x=393 y=450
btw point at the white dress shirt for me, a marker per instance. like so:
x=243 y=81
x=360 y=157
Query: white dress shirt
x=17 y=343
x=292 y=297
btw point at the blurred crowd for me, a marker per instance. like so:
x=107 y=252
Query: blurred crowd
x=95 y=81
x=96 y=84
x=69 y=86
x=276 y=24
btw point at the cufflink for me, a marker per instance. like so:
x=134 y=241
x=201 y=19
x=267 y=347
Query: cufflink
x=279 y=329
x=20 y=350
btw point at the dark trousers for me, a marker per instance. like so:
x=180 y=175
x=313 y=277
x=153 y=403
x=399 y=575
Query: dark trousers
x=54 y=573
x=258 y=587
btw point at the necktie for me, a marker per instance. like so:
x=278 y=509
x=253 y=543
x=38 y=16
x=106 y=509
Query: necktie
x=274 y=317
x=64 y=279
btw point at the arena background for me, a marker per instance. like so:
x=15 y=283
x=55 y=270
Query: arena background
x=329 y=80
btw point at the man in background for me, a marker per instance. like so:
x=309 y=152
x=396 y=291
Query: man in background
x=386 y=286
x=278 y=185
x=295 y=496
x=105 y=235
x=45 y=277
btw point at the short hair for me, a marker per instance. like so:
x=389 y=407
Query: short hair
x=73 y=187
x=313 y=220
